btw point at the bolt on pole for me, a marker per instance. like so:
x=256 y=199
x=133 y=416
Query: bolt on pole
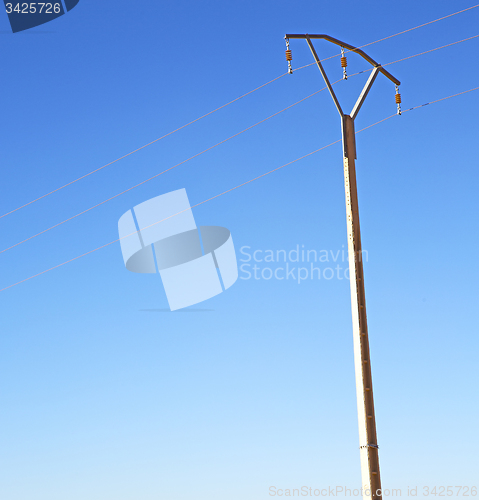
x=368 y=445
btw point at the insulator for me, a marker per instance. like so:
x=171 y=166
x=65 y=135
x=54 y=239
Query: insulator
x=344 y=63
x=398 y=100
x=289 y=57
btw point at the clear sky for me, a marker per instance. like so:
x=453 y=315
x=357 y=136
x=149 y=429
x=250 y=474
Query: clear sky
x=104 y=395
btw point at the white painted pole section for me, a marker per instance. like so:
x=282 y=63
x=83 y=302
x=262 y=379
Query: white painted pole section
x=371 y=480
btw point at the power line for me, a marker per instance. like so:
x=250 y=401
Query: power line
x=420 y=26
x=442 y=99
x=431 y=50
x=392 y=36
x=193 y=206
x=217 y=109
x=234 y=188
x=142 y=147
x=415 y=55
x=163 y=172
x=214 y=146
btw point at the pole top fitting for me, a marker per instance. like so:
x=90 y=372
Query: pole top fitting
x=352 y=48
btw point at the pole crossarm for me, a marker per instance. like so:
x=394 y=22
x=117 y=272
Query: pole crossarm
x=349 y=47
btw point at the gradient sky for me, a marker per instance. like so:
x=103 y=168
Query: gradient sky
x=104 y=395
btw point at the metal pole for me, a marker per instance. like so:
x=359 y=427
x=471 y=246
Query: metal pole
x=368 y=446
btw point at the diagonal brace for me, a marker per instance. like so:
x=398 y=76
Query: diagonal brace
x=326 y=79
x=364 y=92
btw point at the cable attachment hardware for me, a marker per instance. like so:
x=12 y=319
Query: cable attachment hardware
x=344 y=64
x=398 y=99
x=289 y=57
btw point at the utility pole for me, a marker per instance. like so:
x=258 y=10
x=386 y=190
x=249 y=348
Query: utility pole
x=368 y=445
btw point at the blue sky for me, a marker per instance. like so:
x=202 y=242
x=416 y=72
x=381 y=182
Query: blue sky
x=103 y=398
